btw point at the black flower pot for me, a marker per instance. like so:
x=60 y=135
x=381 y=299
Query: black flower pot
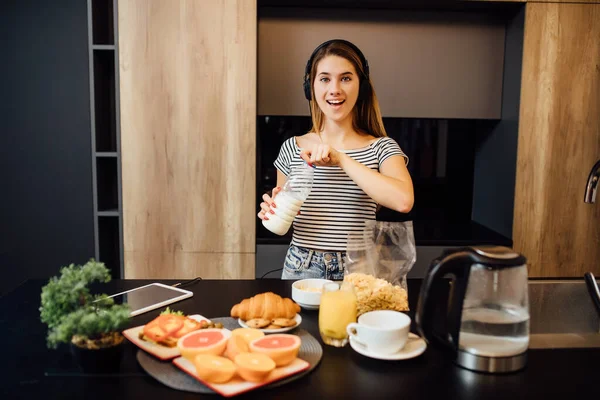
x=103 y=360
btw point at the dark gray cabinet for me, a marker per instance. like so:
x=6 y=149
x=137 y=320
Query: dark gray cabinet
x=46 y=208
x=59 y=153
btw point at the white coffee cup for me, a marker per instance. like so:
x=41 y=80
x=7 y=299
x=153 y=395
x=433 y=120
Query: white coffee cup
x=381 y=331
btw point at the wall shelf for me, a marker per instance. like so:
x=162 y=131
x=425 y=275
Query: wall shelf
x=106 y=154
x=101 y=15
x=103 y=47
x=104 y=100
x=109 y=213
x=106 y=162
x=109 y=244
x=107 y=185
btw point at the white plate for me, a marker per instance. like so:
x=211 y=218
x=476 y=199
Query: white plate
x=289 y=328
x=308 y=306
x=415 y=346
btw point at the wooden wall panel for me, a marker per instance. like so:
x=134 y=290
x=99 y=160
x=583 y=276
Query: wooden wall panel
x=559 y=140
x=188 y=137
x=188 y=265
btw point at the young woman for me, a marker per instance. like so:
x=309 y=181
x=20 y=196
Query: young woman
x=357 y=167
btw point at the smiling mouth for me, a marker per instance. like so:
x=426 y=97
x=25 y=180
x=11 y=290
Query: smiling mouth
x=335 y=102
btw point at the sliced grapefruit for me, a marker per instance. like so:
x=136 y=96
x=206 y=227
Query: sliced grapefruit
x=214 y=369
x=249 y=334
x=281 y=348
x=205 y=341
x=236 y=345
x=254 y=367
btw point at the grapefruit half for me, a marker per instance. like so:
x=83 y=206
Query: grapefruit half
x=214 y=369
x=281 y=348
x=249 y=334
x=254 y=367
x=236 y=345
x=205 y=341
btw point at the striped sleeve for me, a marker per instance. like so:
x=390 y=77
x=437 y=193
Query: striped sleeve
x=387 y=147
x=284 y=159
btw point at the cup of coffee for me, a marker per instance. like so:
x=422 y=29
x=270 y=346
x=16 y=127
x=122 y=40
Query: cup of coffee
x=381 y=331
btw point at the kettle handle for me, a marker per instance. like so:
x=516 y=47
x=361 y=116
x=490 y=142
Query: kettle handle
x=458 y=265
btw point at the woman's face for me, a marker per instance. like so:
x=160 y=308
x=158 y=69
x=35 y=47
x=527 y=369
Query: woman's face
x=336 y=87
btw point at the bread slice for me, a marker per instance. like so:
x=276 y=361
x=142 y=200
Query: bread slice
x=166 y=342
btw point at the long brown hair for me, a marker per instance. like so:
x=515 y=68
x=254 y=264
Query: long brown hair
x=366 y=115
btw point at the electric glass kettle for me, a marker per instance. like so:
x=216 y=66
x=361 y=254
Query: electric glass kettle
x=485 y=325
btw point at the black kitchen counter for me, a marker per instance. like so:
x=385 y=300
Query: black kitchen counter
x=32 y=371
x=427 y=233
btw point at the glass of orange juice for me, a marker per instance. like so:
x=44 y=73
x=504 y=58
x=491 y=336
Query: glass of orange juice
x=337 y=310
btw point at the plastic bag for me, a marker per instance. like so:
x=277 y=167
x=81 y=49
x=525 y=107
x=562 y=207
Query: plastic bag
x=379 y=258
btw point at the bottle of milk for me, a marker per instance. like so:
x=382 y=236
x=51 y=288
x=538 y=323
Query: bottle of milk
x=288 y=202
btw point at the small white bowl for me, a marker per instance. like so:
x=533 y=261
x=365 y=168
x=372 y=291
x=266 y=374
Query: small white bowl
x=307 y=292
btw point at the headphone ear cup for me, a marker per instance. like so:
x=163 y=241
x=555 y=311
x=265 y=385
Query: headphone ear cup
x=307 y=91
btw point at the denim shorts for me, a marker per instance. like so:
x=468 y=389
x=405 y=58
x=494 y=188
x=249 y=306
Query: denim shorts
x=303 y=263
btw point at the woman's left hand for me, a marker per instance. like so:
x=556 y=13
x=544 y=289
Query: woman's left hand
x=321 y=155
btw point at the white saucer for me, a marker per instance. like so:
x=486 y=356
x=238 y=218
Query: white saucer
x=298 y=319
x=415 y=346
x=308 y=306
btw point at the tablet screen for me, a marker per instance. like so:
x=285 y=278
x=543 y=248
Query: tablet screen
x=150 y=297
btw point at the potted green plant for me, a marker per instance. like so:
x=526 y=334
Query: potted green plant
x=91 y=324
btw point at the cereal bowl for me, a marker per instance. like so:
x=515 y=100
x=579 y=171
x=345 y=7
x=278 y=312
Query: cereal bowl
x=307 y=292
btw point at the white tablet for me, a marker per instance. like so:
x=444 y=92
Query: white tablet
x=150 y=297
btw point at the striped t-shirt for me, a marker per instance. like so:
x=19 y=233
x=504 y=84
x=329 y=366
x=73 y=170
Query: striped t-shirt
x=336 y=206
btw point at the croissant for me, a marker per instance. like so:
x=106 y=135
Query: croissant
x=265 y=305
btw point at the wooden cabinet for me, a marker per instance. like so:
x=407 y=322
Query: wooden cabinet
x=188 y=137
x=559 y=140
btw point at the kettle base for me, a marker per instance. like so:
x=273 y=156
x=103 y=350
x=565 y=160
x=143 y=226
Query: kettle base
x=491 y=364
